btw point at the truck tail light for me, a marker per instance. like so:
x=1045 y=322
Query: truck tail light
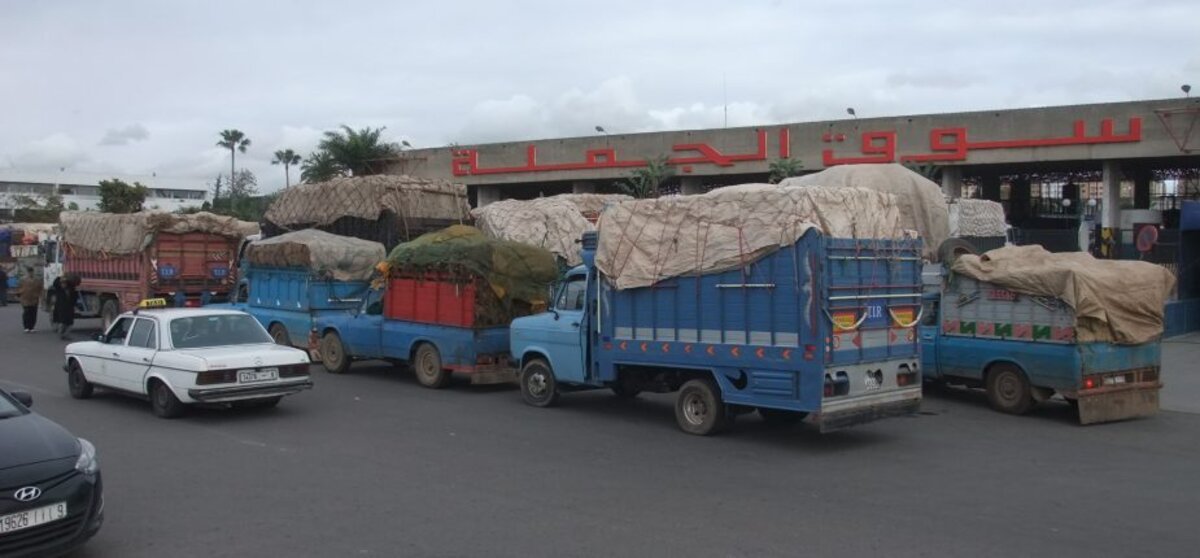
x=809 y=352
x=191 y=303
x=837 y=384
x=216 y=377
x=906 y=378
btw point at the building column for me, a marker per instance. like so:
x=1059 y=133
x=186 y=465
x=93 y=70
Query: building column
x=1141 y=188
x=1111 y=197
x=952 y=182
x=990 y=187
x=690 y=185
x=486 y=194
x=583 y=187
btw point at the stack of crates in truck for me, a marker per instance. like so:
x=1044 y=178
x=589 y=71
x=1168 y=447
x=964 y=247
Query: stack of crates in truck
x=797 y=303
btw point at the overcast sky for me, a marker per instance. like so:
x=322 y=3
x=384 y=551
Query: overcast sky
x=137 y=87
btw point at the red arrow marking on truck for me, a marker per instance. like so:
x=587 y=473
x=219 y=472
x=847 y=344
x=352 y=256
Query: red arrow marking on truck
x=624 y=345
x=759 y=352
x=737 y=352
x=666 y=347
x=687 y=349
x=857 y=340
x=644 y=345
x=711 y=350
x=787 y=354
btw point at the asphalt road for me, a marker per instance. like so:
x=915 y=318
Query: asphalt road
x=372 y=464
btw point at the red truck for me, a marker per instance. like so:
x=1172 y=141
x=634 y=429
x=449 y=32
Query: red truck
x=120 y=260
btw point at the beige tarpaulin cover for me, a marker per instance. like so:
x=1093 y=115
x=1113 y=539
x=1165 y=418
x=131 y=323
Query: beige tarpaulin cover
x=1114 y=301
x=365 y=197
x=592 y=204
x=644 y=241
x=922 y=205
x=341 y=258
x=969 y=217
x=552 y=223
x=126 y=233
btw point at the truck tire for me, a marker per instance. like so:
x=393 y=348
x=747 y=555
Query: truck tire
x=427 y=365
x=1008 y=390
x=279 y=334
x=333 y=354
x=625 y=388
x=699 y=409
x=163 y=401
x=952 y=248
x=780 y=417
x=109 y=311
x=538 y=385
x=77 y=382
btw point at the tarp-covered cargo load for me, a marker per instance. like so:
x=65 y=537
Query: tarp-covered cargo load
x=383 y=208
x=1114 y=301
x=590 y=205
x=645 y=241
x=519 y=275
x=127 y=233
x=977 y=218
x=922 y=205
x=552 y=224
x=340 y=258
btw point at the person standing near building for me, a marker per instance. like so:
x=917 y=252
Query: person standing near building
x=3 y=287
x=30 y=296
x=65 y=298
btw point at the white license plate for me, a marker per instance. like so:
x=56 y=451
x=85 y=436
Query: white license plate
x=32 y=518
x=264 y=375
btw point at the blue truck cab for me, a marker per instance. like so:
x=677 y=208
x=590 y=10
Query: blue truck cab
x=822 y=330
x=1022 y=350
x=435 y=352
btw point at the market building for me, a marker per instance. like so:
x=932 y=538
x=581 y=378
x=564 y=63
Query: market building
x=82 y=190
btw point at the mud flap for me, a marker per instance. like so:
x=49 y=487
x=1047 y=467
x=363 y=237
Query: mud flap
x=829 y=422
x=1118 y=405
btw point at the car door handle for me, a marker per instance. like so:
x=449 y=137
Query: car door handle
x=574 y=324
x=145 y=359
x=118 y=355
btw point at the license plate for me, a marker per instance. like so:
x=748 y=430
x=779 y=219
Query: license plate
x=32 y=518
x=264 y=375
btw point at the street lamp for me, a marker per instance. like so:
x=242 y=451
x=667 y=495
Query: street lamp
x=850 y=111
x=405 y=144
x=1187 y=90
x=601 y=130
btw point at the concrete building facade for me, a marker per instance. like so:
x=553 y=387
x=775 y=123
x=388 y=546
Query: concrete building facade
x=83 y=190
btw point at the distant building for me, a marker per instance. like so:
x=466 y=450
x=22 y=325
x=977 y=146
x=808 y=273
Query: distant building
x=83 y=190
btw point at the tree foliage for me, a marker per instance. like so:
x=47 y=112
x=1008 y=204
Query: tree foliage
x=288 y=159
x=320 y=166
x=645 y=182
x=37 y=209
x=233 y=140
x=118 y=196
x=782 y=168
x=358 y=152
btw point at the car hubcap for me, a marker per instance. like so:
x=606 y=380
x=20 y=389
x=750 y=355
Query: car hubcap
x=428 y=366
x=537 y=384
x=1008 y=388
x=695 y=410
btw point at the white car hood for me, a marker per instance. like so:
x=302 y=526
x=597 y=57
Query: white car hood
x=247 y=356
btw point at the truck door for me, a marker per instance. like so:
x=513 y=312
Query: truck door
x=364 y=331
x=565 y=340
x=929 y=331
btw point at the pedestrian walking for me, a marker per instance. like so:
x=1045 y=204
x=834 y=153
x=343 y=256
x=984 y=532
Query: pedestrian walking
x=3 y=287
x=30 y=296
x=65 y=298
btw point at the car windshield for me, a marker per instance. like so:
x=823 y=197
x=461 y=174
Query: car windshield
x=8 y=408
x=216 y=331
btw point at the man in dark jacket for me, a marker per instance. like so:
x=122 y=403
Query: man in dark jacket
x=31 y=296
x=3 y=287
x=65 y=298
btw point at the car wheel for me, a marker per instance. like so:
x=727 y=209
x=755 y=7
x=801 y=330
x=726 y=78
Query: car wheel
x=427 y=363
x=163 y=401
x=333 y=354
x=699 y=409
x=279 y=334
x=1008 y=391
x=77 y=382
x=538 y=386
x=780 y=417
x=109 y=311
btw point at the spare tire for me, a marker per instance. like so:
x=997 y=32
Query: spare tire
x=952 y=248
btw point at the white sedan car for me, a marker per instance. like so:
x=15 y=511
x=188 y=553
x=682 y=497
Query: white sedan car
x=178 y=357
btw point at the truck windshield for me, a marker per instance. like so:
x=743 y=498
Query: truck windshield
x=216 y=331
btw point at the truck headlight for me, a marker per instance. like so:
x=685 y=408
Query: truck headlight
x=87 y=463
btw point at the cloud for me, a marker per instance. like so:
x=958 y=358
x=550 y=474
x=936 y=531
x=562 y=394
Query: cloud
x=52 y=152
x=125 y=136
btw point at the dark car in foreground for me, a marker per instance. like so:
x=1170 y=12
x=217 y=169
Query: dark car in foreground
x=50 y=491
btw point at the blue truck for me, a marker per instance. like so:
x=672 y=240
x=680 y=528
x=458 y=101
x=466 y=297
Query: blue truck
x=822 y=330
x=1023 y=349
x=384 y=327
x=288 y=300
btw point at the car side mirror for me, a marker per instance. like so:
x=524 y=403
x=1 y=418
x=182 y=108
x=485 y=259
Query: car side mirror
x=100 y=337
x=23 y=397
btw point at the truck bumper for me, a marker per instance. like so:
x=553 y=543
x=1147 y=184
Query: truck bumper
x=1119 y=403
x=836 y=415
x=222 y=395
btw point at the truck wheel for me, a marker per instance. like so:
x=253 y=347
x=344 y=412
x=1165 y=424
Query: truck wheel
x=779 y=417
x=1008 y=390
x=333 y=354
x=279 y=334
x=109 y=311
x=163 y=401
x=427 y=364
x=699 y=409
x=625 y=388
x=538 y=386
x=77 y=382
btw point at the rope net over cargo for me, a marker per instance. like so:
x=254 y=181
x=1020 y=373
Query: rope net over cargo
x=555 y=223
x=645 y=241
x=128 y=233
x=329 y=256
x=383 y=208
x=519 y=275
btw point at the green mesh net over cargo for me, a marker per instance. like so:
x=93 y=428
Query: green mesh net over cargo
x=520 y=276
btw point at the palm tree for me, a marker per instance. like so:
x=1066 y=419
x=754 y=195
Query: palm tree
x=287 y=158
x=319 y=166
x=233 y=140
x=359 y=152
